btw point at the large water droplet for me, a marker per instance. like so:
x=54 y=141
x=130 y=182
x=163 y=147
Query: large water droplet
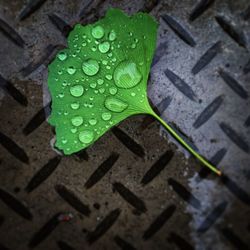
x=92 y=121
x=62 y=56
x=97 y=32
x=77 y=121
x=86 y=136
x=90 y=67
x=104 y=47
x=76 y=90
x=127 y=75
x=112 y=35
x=71 y=70
x=115 y=105
x=106 y=116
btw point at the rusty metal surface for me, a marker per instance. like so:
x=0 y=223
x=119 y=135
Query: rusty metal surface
x=132 y=189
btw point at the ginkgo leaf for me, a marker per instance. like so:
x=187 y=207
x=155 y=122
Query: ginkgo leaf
x=101 y=79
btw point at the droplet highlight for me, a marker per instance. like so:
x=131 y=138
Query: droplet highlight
x=90 y=67
x=115 y=105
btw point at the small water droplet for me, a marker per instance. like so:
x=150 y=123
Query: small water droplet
x=133 y=94
x=73 y=130
x=90 y=67
x=84 y=44
x=92 y=121
x=71 y=70
x=92 y=85
x=77 y=121
x=94 y=48
x=74 y=105
x=106 y=116
x=61 y=95
x=64 y=141
x=115 y=105
x=62 y=56
x=76 y=90
x=127 y=75
x=109 y=77
x=112 y=90
x=97 y=32
x=100 y=81
x=133 y=46
x=86 y=136
x=130 y=34
x=104 y=62
x=101 y=90
x=112 y=35
x=104 y=47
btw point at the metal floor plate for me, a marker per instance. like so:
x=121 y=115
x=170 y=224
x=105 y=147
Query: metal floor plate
x=134 y=188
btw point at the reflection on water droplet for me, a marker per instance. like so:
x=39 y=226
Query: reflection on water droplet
x=112 y=35
x=92 y=121
x=104 y=47
x=115 y=105
x=133 y=94
x=106 y=116
x=97 y=32
x=71 y=70
x=62 y=56
x=133 y=45
x=77 y=121
x=127 y=75
x=112 y=90
x=76 y=90
x=84 y=44
x=90 y=67
x=61 y=95
x=94 y=48
x=74 y=105
x=86 y=136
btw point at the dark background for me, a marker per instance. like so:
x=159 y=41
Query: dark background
x=134 y=188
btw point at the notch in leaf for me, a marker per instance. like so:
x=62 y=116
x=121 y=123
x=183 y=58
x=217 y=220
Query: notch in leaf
x=101 y=79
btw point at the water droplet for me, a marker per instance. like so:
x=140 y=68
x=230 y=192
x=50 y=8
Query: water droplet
x=127 y=75
x=94 y=48
x=110 y=54
x=133 y=46
x=59 y=72
x=61 y=95
x=77 y=121
x=92 y=85
x=133 y=94
x=112 y=35
x=130 y=34
x=92 y=121
x=77 y=90
x=104 y=47
x=97 y=32
x=115 y=105
x=73 y=130
x=64 y=141
x=62 y=56
x=100 y=81
x=101 y=90
x=112 y=90
x=104 y=62
x=90 y=67
x=106 y=116
x=109 y=77
x=84 y=44
x=86 y=136
x=75 y=105
x=71 y=70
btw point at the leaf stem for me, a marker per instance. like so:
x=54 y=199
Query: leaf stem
x=185 y=145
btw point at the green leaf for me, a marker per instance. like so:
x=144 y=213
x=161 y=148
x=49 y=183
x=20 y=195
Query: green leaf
x=101 y=79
